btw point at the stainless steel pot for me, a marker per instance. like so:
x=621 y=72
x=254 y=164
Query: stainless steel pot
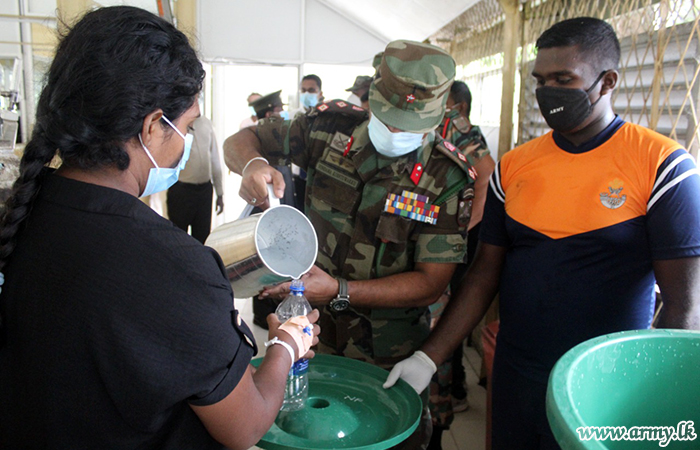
x=265 y=249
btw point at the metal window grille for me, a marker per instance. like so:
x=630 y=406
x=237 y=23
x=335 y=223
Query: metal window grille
x=659 y=84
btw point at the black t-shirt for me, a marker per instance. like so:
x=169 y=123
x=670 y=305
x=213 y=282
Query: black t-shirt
x=116 y=321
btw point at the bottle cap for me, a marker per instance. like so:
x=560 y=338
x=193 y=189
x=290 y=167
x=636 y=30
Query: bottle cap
x=297 y=286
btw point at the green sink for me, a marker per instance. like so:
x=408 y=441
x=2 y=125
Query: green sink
x=347 y=408
x=646 y=378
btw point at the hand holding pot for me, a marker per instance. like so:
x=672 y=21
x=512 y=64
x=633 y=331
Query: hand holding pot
x=256 y=176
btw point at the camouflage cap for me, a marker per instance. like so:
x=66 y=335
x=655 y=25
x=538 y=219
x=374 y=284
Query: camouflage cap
x=361 y=82
x=377 y=59
x=411 y=91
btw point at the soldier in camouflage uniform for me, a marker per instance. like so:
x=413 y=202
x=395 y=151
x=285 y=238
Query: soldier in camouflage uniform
x=447 y=387
x=396 y=262
x=467 y=137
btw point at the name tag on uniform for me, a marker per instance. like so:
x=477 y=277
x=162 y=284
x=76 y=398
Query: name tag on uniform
x=413 y=206
x=336 y=174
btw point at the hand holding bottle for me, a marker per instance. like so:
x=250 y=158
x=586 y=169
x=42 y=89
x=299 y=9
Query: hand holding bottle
x=294 y=310
x=301 y=330
x=274 y=326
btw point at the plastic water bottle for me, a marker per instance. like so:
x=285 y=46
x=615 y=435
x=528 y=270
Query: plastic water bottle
x=297 y=389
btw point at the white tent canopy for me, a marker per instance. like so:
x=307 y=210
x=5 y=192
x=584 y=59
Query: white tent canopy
x=315 y=31
x=277 y=31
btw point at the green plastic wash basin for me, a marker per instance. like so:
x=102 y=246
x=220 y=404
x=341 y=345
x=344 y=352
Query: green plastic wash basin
x=347 y=408
x=631 y=379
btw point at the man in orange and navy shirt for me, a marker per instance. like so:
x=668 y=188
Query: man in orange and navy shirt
x=578 y=227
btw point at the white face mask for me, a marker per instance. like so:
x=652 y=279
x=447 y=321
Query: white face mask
x=391 y=144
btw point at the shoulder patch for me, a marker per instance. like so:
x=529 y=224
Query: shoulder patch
x=473 y=143
x=448 y=145
x=340 y=106
x=464 y=162
x=461 y=124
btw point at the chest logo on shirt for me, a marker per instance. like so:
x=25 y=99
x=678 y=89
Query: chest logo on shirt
x=614 y=198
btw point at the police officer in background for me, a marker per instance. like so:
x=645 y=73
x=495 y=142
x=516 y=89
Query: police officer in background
x=269 y=105
x=381 y=262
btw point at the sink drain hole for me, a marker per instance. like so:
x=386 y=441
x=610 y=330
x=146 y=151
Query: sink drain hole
x=318 y=403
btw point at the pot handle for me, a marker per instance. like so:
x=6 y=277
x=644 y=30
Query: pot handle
x=274 y=201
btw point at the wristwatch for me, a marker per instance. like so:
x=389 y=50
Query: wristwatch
x=342 y=300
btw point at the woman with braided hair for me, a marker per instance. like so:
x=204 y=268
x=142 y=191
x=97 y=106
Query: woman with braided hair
x=118 y=329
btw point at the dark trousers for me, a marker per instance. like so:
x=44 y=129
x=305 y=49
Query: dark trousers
x=519 y=414
x=190 y=205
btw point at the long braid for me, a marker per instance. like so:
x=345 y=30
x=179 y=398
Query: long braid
x=24 y=190
x=37 y=154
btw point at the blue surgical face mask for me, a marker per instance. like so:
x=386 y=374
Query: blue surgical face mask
x=161 y=178
x=308 y=99
x=284 y=115
x=392 y=144
x=251 y=110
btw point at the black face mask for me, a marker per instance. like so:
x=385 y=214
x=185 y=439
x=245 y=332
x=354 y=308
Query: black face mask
x=565 y=109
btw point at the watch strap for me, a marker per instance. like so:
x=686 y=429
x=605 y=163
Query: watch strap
x=342 y=300
x=343 y=289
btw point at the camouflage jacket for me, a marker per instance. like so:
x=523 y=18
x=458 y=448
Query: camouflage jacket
x=348 y=183
x=467 y=138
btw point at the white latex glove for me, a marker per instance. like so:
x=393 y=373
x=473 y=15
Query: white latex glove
x=416 y=370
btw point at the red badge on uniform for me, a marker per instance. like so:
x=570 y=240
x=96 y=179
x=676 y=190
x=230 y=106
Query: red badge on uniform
x=462 y=157
x=322 y=107
x=347 y=147
x=417 y=173
x=342 y=104
x=448 y=145
x=357 y=108
x=472 y=173
x=410 y=98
